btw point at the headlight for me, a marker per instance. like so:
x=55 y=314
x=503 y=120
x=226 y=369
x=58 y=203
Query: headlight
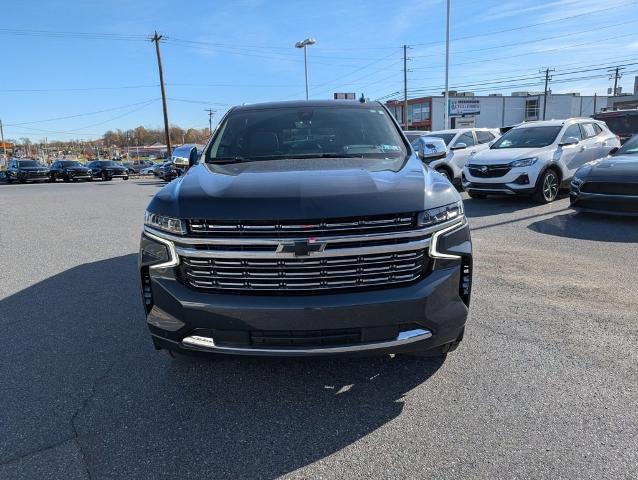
x=523 y=162
x=433 y=216
x=167 y=224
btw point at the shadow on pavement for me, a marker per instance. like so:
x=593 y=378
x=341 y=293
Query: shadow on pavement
x=78 y=369
x=587 y=226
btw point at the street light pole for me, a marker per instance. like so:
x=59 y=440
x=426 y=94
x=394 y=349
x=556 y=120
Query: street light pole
x=304 y=44
x=446 y=112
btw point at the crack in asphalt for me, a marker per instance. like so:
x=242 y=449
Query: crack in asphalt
x=86 y=401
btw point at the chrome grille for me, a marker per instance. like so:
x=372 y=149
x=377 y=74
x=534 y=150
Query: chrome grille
x=297 y=228
x=300 y=275
x=491 y=171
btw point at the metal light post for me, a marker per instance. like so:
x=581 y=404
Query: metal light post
x=446 y=111
x=304 y=44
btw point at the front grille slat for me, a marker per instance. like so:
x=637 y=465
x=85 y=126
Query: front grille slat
x=610 y=188
x=299 y=275
x=292 y=228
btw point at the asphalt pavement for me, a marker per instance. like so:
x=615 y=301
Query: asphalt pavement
x=544 y=385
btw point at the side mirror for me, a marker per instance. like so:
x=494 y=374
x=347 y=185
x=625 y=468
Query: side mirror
x=568 y=142
x=431 y=148
x=459 y=146
x=613 y=150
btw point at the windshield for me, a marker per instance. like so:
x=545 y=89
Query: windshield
x=306 y=132
x=70 y=163
x=446 y=137
x=630 y=147
x=28 y=163
x=528 y=137
x=622 y=124
x=108 y=163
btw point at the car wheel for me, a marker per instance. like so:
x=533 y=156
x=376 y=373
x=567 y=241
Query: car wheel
x=90 y=179
x=52 y=177
x=66 y=178
x=476 y=195
x=9 y=179
x=547 y=187
x=75 y=179
x=22 y=180
x=105 y=177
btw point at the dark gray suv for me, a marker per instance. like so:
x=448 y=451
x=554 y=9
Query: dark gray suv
x=307 y=228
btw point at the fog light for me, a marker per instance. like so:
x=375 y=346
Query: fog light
x=522 y=179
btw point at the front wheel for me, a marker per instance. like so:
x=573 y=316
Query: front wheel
x=52 y=177
x=105 y=176
x=547 y=188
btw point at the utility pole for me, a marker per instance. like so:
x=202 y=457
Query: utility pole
x=405 y=87
x=156 y=39
x=547 y=79
x=211 y=112
x=4 y=147
x=616 y=75
x=446 y=112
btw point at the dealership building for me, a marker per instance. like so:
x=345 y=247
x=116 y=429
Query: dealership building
x=492 y=111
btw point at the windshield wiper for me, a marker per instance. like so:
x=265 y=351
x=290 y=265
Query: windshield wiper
x=222 y=160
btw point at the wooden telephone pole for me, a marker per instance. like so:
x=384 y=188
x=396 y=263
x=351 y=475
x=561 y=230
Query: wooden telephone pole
x=156 y=39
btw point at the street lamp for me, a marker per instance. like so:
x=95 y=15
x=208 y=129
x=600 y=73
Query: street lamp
x=303 y=44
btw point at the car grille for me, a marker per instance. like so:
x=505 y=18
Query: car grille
x=365 y=271
x=37 y=174
x=303 y=228
x=305 y=338
x=492 y=171
x=610 y=188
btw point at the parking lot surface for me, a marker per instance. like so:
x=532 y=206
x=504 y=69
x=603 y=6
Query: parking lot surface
x=544 y=384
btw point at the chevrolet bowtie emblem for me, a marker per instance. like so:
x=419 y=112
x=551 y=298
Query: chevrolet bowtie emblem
x=301 y=248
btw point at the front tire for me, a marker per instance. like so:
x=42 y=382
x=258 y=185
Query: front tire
x=547 y=187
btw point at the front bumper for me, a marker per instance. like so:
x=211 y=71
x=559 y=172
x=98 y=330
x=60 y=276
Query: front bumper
x=518 y=180
x=624 y=205
x=423 y=315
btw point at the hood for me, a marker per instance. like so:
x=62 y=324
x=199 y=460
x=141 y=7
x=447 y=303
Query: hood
x=303 y=189
x=615 y=168
x=499 y=156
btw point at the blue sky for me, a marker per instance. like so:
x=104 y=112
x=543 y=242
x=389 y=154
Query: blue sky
x=220 y=53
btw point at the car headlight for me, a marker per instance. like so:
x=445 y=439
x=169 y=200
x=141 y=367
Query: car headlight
x=167 y=224
x=523 y=162
x=442 y=214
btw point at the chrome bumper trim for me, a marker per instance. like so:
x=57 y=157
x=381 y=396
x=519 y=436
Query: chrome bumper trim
x=208 y=344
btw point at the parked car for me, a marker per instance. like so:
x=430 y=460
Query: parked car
x=308 y=228
x=609 y=185
x=157 y=167
x=26 y=171
x=68 y=170
x=462 y=144
x=170 y=171
x=412 y=135
x=148 y=170
x=537 y=158
x=107 y=170
x=136 y=167
x=623 y=123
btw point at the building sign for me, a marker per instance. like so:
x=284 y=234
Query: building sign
x=345 y=96
x=464 y=106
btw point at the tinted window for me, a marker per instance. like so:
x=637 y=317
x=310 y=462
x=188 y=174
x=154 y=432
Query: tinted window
x=622 y=124
x=572 y=131
x=467 y=138
x=446 y=137
x=484 y=137
x=588 y=130
x=70 y=163
x=597 y=128
x=528 y=137
x=307 y=131
x=27 y=163
x=108 y=163
x=630 y=147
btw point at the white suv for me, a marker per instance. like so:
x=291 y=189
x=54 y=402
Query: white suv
x=537 y=158
x=462 y=144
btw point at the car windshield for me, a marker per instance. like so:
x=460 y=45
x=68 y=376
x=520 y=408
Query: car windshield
x=446 y=137
x=108 y=163
x=70 y=163
x=621 y=124
x=630 y=147
x=528 y=137
x=306 y=132
x=28 y=163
